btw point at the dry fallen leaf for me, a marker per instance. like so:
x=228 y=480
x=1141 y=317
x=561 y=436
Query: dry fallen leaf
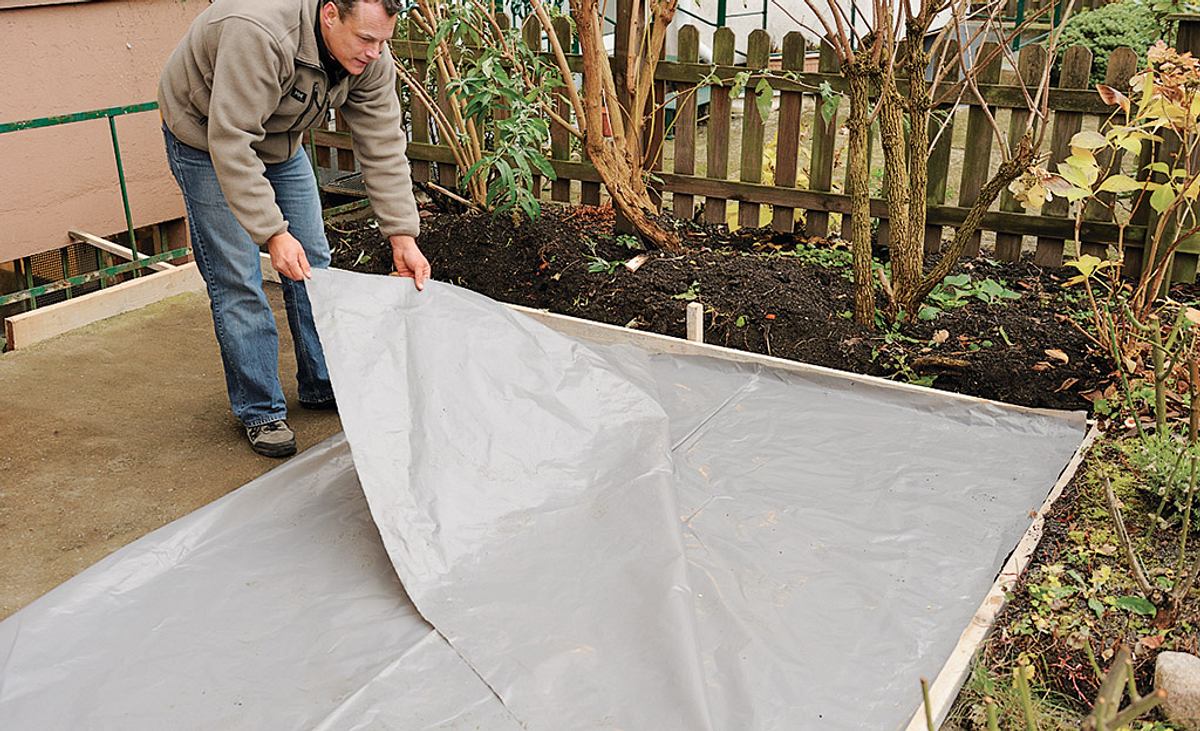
x=633 y=264
x=1041 y=366
x=1066 y=384
x=941 y=336
x=1192 y=314
x=1151 y=643
x=1057 y=354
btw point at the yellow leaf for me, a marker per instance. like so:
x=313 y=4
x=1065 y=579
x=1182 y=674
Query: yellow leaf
x=1086 y=264
x=1131 y=145
x=1119 y=184
x=1089 y=140
x=1074 y=175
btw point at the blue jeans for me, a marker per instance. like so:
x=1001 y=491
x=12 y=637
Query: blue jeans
x=229 y=262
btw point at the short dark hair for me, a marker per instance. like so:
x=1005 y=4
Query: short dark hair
x=391 y=7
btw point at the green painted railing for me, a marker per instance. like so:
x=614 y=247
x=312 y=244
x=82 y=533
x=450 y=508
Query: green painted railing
x=111 y=114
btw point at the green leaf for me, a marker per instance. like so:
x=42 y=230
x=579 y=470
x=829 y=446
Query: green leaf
x=542 y=164
x=763 y=101
x=927 y=313
x=1162 y=198
x=741 y=321
x=739 y=83
x=1137 y=605
x=1119 y=184
x=830 y=102
x=1096 y=606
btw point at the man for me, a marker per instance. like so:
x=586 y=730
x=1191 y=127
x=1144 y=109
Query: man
x=248 y=79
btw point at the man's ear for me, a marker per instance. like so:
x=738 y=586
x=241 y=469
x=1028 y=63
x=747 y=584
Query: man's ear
x=329 y=11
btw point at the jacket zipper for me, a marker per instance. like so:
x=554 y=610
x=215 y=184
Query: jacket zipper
x=313 y=97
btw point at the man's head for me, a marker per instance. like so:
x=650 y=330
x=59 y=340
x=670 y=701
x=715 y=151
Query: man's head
x=355 y=31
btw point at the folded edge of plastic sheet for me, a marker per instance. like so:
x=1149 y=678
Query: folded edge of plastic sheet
x=522 y=484
x=551 y=520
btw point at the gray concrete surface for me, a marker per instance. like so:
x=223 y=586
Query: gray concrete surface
x=116 y=429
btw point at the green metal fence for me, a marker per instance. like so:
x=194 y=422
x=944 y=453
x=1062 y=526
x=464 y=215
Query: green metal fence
x=139 y=262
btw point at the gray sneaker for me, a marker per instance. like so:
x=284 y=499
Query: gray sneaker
x=275 y=439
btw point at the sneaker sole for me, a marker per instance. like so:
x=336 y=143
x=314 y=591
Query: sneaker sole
x=322 y=406
x=275 y=450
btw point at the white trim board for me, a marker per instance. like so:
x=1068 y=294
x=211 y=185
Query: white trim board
x=31 y=327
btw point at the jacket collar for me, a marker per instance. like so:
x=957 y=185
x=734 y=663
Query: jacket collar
x=309 y=51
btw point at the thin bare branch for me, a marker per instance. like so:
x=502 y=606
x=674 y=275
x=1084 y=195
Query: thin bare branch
x=561 y=59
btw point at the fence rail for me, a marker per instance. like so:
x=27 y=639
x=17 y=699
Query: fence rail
x=805 y=152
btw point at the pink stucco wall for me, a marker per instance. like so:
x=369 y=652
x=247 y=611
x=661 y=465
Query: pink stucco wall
x=69 y=58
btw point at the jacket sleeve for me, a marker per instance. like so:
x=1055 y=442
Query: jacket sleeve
x=246 y=88
x=372 y=110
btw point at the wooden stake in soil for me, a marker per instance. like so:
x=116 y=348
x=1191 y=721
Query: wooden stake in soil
x=695 y=322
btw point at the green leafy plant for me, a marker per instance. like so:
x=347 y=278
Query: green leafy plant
x=958 y=289
x=600 y=265
x=691 y=294
x=485 y=68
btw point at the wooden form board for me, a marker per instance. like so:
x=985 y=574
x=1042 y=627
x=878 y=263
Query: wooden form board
x=34 y=326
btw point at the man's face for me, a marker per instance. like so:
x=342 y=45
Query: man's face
x=357 y=39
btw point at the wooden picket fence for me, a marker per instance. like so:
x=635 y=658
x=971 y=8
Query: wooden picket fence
x=808 y=166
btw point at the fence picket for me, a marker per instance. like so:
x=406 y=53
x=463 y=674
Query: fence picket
x=683 y=204
x=1076 y=70
x=1029 y=66
x=978 y=152
x=820 y=173
x=787 y=140
x=758 y=54
x=719 y=112
x=560 y=138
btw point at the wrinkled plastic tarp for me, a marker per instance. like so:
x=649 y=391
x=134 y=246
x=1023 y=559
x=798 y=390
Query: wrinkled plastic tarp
x=600 y=537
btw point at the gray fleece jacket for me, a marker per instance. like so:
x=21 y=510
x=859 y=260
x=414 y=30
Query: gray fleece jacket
x=246 y=82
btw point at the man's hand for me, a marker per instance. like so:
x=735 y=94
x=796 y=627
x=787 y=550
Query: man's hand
x=409 y=261
x=287 y=257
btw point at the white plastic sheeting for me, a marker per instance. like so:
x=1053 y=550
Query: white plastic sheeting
x=604 y=538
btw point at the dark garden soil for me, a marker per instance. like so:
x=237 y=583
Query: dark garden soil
x=764 y=292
